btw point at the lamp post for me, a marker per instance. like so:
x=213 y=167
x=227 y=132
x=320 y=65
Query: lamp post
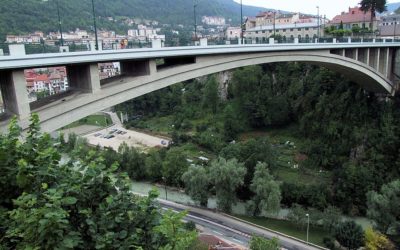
x=274 y=24
x=241 y=21
x=308 y=225
x=394 y=29
x=318 y=21
x=165 y=187
x=59 y=23
x=95 y=27
x=195 y=20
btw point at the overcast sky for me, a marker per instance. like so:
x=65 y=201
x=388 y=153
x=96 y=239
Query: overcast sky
x=330 y=8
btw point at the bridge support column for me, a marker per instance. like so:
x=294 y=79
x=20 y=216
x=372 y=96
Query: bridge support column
x=84 y=77
x=136 y=68
x=15 y=95
x=388 y=70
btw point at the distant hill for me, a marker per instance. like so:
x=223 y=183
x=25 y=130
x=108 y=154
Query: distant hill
x=391 y=7
x=29 y=15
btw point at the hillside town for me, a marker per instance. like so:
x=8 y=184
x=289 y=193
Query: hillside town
x=258 y=29
x=353 y=22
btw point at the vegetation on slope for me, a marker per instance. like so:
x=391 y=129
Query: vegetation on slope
x=31 y=15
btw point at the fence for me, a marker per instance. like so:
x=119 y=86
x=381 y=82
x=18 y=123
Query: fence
x=134 y=44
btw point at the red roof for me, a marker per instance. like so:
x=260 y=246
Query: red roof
x=354 y=15
x=216 y=243
x=29 y=83
x=41 y=78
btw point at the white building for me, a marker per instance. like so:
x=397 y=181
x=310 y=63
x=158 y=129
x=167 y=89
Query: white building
x=286 y=31
x=133 y=33
x=233 y=33
x=213 y=20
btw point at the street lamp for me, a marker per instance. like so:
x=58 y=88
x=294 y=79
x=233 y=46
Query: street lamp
x=318 y=21
x=241 y=21
x=59 y=23
x=195 y=20
x=274 y=24
x=308 y=225
x=95 y=26
x=165 y=187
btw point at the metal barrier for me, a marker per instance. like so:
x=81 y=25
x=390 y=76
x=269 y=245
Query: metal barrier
x=42 y=48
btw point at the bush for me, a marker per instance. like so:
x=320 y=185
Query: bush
x=329 y=242
x=350 y=235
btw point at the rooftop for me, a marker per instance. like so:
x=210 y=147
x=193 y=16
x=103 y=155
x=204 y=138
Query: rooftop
x=354 y=15
x=284 y=26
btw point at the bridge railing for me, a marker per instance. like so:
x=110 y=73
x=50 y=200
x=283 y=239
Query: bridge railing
x=40 y=48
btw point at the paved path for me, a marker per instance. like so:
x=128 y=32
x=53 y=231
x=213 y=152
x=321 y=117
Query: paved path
x=132 y=138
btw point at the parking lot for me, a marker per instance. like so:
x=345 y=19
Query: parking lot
x=114 y=136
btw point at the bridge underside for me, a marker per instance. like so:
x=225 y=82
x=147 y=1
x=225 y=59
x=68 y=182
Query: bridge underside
x=140 y=77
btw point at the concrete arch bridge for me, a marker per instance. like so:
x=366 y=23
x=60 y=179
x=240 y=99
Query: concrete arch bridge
x=375 y=66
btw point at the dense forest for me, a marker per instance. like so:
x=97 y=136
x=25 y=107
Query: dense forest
x=346 y=148
x=30 y=15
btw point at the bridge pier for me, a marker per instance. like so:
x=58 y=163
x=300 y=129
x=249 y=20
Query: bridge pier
x=136 y=68
x=15 y=96
x=84 y=77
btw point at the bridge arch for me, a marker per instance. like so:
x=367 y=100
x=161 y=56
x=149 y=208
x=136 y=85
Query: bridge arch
x=117 y=92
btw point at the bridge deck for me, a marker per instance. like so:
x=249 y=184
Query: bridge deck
x=52 y=59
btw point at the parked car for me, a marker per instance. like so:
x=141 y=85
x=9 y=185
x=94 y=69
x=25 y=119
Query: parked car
x=97 y=134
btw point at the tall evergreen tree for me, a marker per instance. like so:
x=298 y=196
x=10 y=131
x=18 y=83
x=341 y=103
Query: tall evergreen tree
x=373 y=6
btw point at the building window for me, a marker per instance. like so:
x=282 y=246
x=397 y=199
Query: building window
x=263 y=31
x=284 y=30
x=256 y=32
x=291 y=29
x=307 y=28
x=270 y=31
x=299 y=29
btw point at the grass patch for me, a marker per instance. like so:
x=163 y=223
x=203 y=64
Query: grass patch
x=95 y=120
x=316 y=234
x=289 y=147
x=193 y=152
x=308 y=177
x=161 y=125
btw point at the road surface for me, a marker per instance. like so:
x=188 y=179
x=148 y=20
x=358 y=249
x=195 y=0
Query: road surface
x=231 y=229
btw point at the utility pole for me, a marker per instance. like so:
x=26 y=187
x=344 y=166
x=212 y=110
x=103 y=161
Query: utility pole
x=394 y=29
x=95 y=27
x=318 y=21
x=274 y=24
x=195 y=19
x=308 y=225
x=241 y=21
x=59 y=23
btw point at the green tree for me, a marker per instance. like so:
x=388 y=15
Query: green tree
x=132 y=161
x=174 y=166
x=211 y=98
x=383 y=206
x=349 y=235
x=267 y=193
x=80 y=204
x=172 y=229
x=377 y=241
x=260 y=243
x=226 y=176
x=196 y=181
x=331 y=218
x=373 y=6
x=153 y=164
x=297 y=215
x=232 y=122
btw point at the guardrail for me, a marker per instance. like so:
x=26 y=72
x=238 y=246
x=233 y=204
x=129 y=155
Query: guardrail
x=41 y=48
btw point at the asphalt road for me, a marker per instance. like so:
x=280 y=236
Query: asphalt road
x=232 y=230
